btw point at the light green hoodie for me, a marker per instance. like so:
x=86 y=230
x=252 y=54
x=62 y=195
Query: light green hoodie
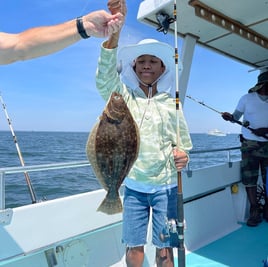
x=157 y=121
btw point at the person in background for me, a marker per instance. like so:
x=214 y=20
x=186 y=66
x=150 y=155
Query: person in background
x=147 y=82
x=254 y=148
x=46 y=40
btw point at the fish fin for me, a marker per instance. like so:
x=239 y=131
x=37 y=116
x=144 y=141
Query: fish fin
x=111 y=205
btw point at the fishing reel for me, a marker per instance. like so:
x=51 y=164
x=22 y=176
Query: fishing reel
x=170 y=232
x=164 y=21
x=245 y=124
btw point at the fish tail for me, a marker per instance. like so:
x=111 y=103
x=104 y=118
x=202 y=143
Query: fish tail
x=111 y=205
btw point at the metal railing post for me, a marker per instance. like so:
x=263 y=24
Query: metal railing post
x=2 y=191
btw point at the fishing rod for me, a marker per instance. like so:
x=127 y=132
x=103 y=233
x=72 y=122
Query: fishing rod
x=27 y=177
x=243 y=124
x=180 y=222
x=175 y=227
x=202 y=103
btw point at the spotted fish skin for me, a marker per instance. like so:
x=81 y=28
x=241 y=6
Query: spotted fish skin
x=112 y=149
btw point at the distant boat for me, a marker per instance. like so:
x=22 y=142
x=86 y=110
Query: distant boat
x=216 y=132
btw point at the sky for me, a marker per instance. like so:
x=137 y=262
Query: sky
x=58 y=93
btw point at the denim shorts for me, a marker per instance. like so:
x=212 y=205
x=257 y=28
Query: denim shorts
x=136 y=216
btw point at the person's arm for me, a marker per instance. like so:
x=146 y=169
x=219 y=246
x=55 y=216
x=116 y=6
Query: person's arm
x=115 y=6
x=107 y=77
x=45 y=40
x=261 y=132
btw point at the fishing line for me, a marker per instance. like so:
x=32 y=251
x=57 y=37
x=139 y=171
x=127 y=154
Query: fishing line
x=27 y=177
x=85 y=7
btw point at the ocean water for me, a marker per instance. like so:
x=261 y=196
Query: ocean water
x=57 y=147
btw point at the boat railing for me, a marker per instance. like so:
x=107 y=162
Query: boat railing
x=85 y=163
x=34 y=168
x=228 y=149
x=228 y=158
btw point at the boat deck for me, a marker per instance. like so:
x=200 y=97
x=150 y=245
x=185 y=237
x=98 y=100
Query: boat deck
x=245 y=247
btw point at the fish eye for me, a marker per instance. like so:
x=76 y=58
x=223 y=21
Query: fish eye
x=117 y=97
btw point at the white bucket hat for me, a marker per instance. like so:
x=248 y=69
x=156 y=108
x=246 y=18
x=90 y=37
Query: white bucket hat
x=163 y=51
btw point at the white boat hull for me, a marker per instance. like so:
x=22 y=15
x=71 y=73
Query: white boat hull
x=70 y=232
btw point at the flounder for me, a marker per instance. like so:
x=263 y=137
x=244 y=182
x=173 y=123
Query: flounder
x=112 y=148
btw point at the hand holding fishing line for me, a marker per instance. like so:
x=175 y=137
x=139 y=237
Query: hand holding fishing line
x=102 y=24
